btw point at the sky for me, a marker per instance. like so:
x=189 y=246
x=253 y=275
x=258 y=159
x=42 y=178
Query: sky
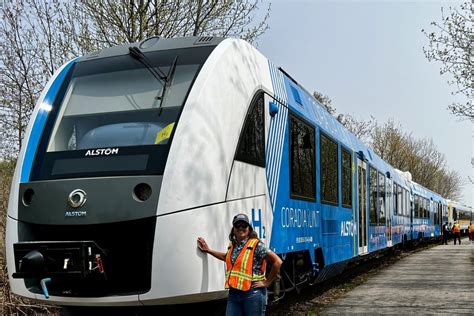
x=367 y=56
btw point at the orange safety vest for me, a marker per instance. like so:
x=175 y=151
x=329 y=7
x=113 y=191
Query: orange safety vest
x=456 y=228
x=240 y=274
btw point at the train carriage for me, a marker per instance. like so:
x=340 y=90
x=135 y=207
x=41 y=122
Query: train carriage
x=134 y=151
x=461 y=213
x=427 y=212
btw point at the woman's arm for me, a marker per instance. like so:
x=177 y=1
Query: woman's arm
x=276 y=263
x=205 y=248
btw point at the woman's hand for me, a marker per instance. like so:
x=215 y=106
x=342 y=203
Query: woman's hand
x=202 y=245
x=257 y=284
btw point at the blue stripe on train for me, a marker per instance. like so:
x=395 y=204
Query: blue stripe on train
x=276 y=135
x=40 y=121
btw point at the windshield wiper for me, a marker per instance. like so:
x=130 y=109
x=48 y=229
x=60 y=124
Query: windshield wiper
x=136 y=53
x=169 y=78
x=165 y=80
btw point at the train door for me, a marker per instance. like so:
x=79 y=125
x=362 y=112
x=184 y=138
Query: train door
x=362 y=193
x=389 y=212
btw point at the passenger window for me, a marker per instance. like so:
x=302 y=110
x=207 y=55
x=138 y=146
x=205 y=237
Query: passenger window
x=381 y=198
x=302 y=158
x=251 y=147
x=416 y=205
x=329 y=171
x=423 y=201
x=395 y=199
x=373 y=196
x=426 y=209
x=400 y=201
x=346 y=178
x=407 y=203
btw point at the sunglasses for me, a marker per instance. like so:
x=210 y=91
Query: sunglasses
x=241 y=225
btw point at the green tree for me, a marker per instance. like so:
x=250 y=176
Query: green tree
x=420 y=157
x=451 y=44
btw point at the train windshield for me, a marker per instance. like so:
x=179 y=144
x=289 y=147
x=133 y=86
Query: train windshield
x=118 y=106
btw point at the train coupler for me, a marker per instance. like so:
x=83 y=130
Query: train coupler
x=68 y=259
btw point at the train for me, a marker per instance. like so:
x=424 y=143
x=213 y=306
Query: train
x=134 y=151
x=461 y=213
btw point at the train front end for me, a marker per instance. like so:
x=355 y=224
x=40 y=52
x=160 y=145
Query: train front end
x=82 y=212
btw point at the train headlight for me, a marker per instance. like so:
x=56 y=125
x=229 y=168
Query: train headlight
x=142 y=192
x=28 y=196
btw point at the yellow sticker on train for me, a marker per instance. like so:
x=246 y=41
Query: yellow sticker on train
x=164 y=133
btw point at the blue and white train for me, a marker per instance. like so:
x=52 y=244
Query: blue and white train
x=134 y=151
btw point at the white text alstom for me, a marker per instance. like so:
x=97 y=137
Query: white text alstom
x=102 y=152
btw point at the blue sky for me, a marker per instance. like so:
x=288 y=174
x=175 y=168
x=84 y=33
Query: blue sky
x=367 y=57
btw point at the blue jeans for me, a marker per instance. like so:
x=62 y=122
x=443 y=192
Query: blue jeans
x=251 y=302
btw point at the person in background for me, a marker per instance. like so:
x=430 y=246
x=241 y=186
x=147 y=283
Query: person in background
x=457 y=232
x=471 y=232
x=245 y=259
x=445 y=233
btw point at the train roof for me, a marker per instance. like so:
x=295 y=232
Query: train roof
x=460 y=206
x=421 y=190
x=155 y=43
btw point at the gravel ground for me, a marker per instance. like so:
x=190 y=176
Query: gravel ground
x=314 y=299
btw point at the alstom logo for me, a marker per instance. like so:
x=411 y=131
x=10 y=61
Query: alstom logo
x=75 y=214
x=102 y=152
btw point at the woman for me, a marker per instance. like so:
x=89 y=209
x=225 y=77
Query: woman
x=246 y=259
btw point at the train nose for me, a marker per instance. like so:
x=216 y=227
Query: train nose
x=32 y=262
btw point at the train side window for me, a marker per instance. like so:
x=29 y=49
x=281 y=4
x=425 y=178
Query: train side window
x=423 y=208
x=440 y=213
x=400 y=208
x=329 y=170
x=407 y=203
x=302 y=160
x=346 y=178
x=251 y=147
x=402 y=200
x=373 y=196
x=395 y=202
x=381 y=198
x=420 y=207
x=427 y=208
x=416 y=205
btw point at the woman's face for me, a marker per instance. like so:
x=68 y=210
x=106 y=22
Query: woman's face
x=241 y=230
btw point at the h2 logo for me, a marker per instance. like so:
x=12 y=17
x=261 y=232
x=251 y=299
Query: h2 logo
x=257 y=224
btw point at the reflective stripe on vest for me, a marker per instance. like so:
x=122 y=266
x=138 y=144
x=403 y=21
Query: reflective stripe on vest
x=457 y=228
x=240 y=274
